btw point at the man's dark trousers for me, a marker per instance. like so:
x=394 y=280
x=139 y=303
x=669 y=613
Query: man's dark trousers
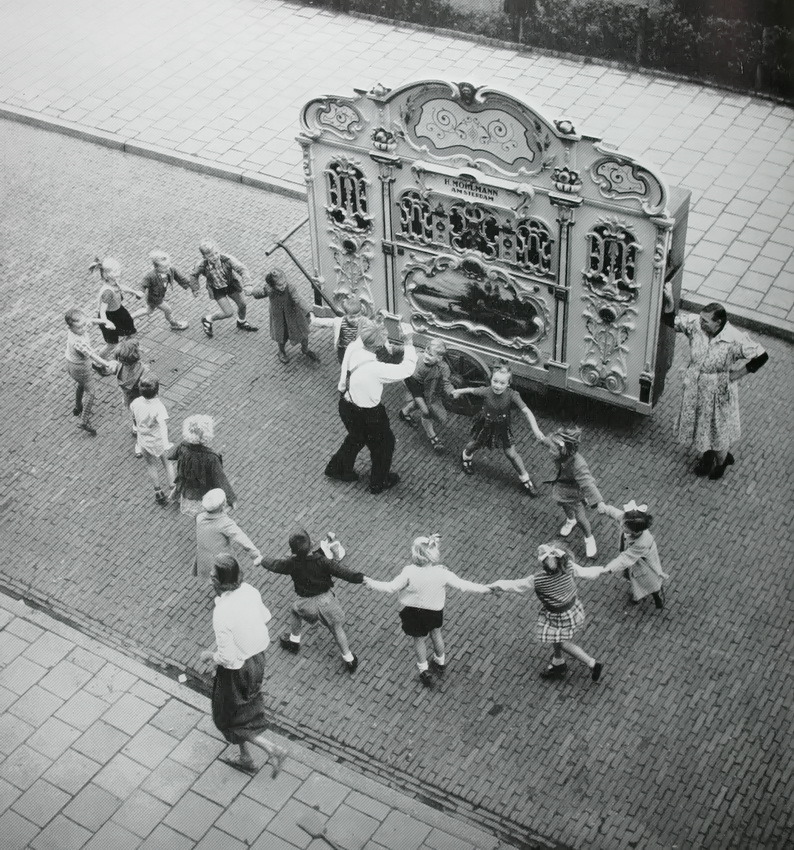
x=366 y=426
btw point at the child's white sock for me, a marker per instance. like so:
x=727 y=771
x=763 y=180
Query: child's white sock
x=524 y=477
x=347 y=656
x=441 y=660
x=294 y=638
x=423 y=666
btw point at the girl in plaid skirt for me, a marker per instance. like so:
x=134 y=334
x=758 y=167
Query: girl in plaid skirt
x=561 y=612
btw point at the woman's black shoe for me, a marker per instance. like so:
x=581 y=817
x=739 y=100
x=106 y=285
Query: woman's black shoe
x=705 y=464
x=719 y=468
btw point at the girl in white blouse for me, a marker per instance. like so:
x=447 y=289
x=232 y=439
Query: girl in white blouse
x=422 y=587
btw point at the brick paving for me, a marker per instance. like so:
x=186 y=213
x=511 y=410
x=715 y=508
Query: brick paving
x=220 y=83
x=155 y=781
x=684 y=742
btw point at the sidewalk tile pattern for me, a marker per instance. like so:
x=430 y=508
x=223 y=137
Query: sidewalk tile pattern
x=222 y=82
x=209 y=812
x=682 y=742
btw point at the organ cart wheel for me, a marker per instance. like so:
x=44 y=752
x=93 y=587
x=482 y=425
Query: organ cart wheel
x=466 y=371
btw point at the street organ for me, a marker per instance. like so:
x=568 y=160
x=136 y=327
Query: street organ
x=509 y=236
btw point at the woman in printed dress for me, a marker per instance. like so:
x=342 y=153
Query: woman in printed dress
x=719 y=356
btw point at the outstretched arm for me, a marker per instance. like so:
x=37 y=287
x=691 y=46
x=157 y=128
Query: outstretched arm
x=281 y=566
x=533 y=423
x=517 y=585
x=397 y=583
x=588 y=572
x=463 y=584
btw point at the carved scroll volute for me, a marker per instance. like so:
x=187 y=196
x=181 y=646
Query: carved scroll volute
x=609 y=326
x=335 y=115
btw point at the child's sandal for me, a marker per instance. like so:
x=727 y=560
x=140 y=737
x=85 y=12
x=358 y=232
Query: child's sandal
x=405 y=417
x=467 y=464
x=437 y=445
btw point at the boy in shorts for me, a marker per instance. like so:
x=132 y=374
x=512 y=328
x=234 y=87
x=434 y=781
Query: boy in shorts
x=312 y=574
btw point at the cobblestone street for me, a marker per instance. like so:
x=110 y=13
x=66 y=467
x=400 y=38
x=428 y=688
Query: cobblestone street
x=686 y=740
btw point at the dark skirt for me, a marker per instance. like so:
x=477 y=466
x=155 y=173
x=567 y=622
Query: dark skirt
x=492 y=433
x=123 y=322
x=419 y=622
x=238 y=709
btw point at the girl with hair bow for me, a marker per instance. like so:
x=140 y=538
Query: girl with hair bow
x=639 y=558
x=422 y=587
x=561 y=612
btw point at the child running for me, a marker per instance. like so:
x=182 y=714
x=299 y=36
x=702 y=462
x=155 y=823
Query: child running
x=561 y=612
x=80 y=357
x=313 y=574
x=431 y=372
x=129 y=371
x=574 y=485
x=422 y=587
x=156 y=284
x=289 y=314
x=151 y=421
x=491 y=429
x=639 y=558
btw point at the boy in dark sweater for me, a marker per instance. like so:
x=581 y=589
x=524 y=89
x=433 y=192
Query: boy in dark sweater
x=312 y=573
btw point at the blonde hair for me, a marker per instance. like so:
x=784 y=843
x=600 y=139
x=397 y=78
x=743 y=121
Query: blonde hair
x=437 y=346
x=425 y=550
x=160 y=257
x=109 y=267
x=198 y=429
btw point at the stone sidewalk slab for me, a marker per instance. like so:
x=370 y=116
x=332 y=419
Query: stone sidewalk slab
x=217 y=85
x=73 y=802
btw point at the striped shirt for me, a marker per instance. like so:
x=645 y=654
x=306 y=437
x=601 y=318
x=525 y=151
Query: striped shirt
x=556 y=591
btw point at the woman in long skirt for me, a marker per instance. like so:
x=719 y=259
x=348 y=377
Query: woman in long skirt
x=240 y=623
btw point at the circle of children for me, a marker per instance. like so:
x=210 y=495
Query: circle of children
x=192 y=474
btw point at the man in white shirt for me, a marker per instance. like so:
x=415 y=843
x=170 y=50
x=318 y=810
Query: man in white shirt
x=361 y=383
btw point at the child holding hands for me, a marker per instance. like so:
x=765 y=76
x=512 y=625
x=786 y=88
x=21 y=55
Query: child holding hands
x=574 y=485
x=639 y=558
x=491 y=429
x=80 y=357
x=289 y=314
x=432 y=372
x=151 y=427
x=312 y=574
x=561 y=612
x=422 y=587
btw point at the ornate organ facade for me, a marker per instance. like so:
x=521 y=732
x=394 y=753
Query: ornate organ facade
x=509 y=236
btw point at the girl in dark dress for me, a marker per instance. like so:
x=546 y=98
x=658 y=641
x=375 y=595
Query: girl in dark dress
x=116 y=321
x=199 y=469
x=491 y=429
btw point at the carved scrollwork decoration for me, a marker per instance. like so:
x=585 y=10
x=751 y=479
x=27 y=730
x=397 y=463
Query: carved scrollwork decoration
x=353 y=255
x=619 y=177
x=348 y=205
x=609 y=326
x=448 y=292
x=612 y=261
x=340 y=118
